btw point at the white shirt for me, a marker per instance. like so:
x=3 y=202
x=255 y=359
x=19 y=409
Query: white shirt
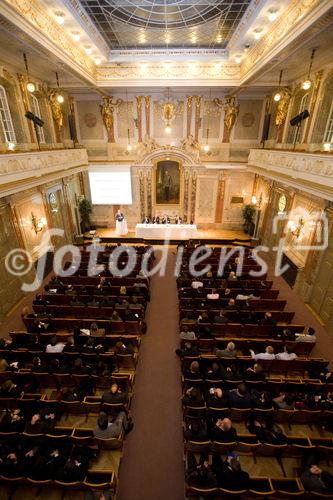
x=286 y=356
x=262 y=355
x=213 y=296
x=196 y=284
x=304 y=337
x=55 y=348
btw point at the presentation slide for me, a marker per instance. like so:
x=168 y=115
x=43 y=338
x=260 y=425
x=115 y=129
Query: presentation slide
x=111 y=187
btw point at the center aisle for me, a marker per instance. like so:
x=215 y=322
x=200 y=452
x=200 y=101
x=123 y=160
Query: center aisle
x=152 y=466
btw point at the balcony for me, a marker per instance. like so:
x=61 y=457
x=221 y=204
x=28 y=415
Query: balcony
x=24 y=170
x=311 y=172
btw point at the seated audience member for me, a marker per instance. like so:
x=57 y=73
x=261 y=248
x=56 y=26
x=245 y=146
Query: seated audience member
x=285 y=401
x=76 y=466
x=261 y=399
x=38 y=366
x=268 y=319
x=185 y=334
x=254 y=373
x=90 y=347
x=122 y=348
x=70 y=345
x=188 y=350
x=232 y=276
x=194 y=372
x=196 y=284
x=203 y=318
x=220 y=318
x=216 y=398
x=229 y=474
x=266 y=432
x=199 y=474
x=193 y=397
x=240 y=397
x=287 y=354
x=228 y=352
x=34 y=344
x=12 y=421
x=310 y=336
x=105 y=429
x=114 y=395
x=145 y=220
x=318 y=480
x=196 y=430
x=268 y=354
x=115 y=316
x=40 y=423
x=226 y=293
x=213 y=295
x=3 y=365
x=223 y=431
x=122 y=290
x=55 y=346
x=286 y=334
x=25 y=312
x=231 y=305
x=94 y=330
x=214 y=372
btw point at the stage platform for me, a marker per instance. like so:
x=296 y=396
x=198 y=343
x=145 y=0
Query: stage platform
x=210 y=236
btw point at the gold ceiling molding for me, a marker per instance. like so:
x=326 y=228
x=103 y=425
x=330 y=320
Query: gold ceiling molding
x=291 y=17
x=32 y=11
x=174 y=71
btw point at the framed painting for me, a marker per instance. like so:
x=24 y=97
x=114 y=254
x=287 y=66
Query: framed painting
x=167 y=182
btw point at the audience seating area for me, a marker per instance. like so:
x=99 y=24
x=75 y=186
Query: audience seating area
x=253 y=424
x=83 y=336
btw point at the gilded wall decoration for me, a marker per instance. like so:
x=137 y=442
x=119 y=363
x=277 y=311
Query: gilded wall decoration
x=149 y=190
x=317 y=81
x=142 y=194
x=189 y=102
x=191 y=146
x=108 y=107
x=231 y=111
x=197 y=116
x=147 y=113
x=56 y=109
x=186 y=193
x=138 y=99
x=193 y=194
x=282 y=107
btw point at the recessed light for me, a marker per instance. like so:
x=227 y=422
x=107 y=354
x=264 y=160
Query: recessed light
x=97 y=60
x=272 y=15
x=258 y=34
x=76 y=36
x=88 y=50
x=59 y=17
x=238 y=59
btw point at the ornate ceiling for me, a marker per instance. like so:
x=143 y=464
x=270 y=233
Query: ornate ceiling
x=165 y=23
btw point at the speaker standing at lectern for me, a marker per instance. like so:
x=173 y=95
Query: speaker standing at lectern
x=121 y=224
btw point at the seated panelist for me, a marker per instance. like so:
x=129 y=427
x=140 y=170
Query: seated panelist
x=146 y=220
x=157 y=220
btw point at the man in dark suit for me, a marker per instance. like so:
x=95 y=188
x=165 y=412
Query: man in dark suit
x=115 y=395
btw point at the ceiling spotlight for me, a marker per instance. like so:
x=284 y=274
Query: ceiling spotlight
x=327 y=146
x=168 y=129
x=246 y=47
x=31 y=87
x=219 y=38
x=88 y=50
x=272 y=15
x=75 y=36
x=277 y=97
x=258 y=34
x=206 y=148
x=129 y=147
x=306 y=85
x=97 y=60
x=60 y=99
x=59 y=17
x=11 y=146
x=238 y=59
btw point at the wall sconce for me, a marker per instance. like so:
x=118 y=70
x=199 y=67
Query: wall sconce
x=37 y=224
x=296 y=229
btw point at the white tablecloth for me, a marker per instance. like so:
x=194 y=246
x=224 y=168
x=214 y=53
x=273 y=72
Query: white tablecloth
x=166 y=231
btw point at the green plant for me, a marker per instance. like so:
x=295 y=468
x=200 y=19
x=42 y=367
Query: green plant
x=85 y=210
